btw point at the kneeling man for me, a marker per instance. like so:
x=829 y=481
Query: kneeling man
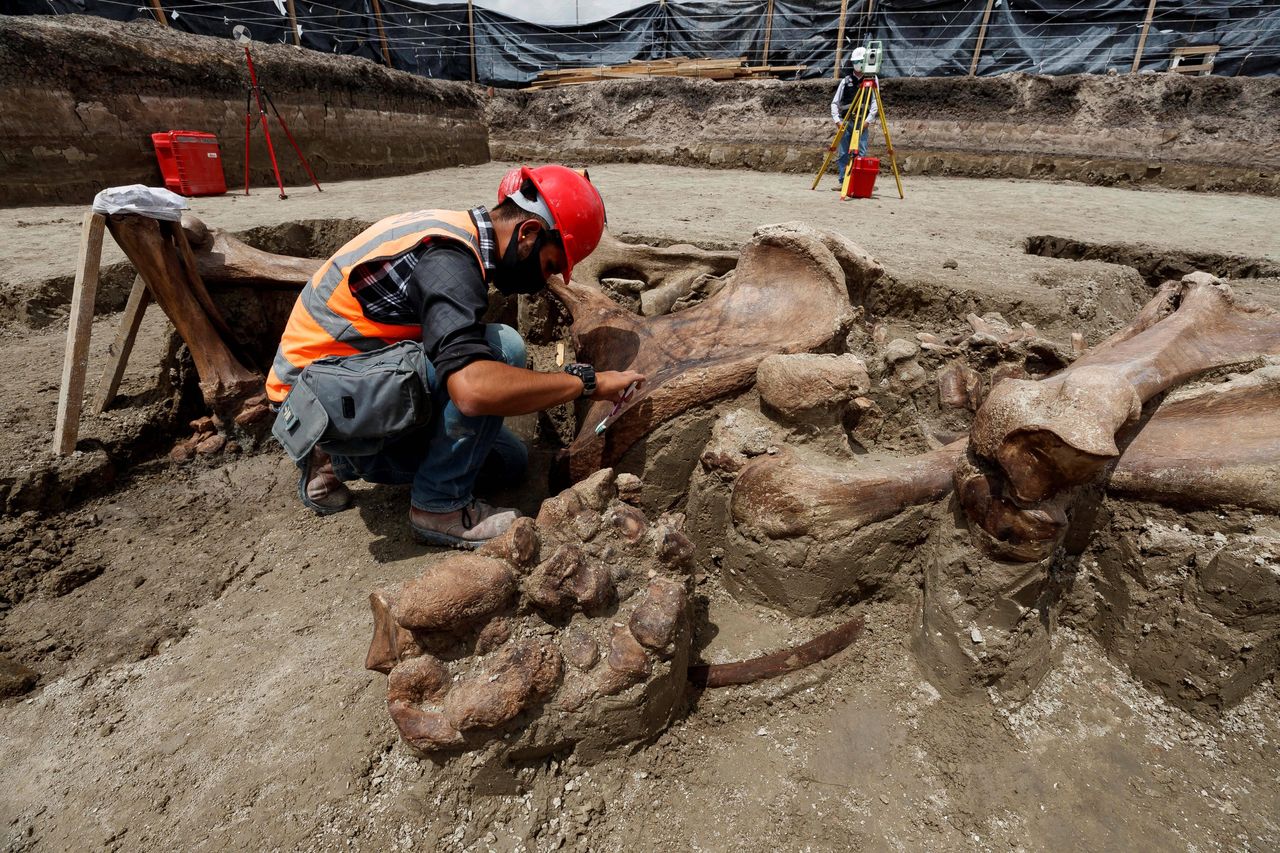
x=424 y=276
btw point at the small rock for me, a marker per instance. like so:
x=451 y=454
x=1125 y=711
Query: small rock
x=975 y=634
x=15 y=679
x=950 y=264
x=900 y=349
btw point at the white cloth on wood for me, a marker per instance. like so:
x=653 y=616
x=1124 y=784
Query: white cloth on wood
x=156 y=202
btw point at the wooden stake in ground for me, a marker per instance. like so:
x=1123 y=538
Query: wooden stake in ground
x=982 y=36
x=139 y=299
x=159 y=13
x=844 y=7
x=471 y=35
x=79 y=329
x=293 y=24
x=382 y=34
x=1142 y=40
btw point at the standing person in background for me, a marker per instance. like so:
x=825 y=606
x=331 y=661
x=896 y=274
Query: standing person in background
x=846 y=92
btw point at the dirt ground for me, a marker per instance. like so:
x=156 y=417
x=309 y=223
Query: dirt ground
x=199 y=637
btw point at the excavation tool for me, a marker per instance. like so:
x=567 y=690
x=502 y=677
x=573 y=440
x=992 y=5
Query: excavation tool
x=256 y=93
x=859 y=112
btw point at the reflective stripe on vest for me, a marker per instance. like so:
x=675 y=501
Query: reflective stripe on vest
x=328 y=320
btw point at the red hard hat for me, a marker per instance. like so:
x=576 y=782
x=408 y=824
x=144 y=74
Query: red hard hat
x=575 y=205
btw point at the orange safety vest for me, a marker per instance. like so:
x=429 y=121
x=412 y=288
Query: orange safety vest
x=328 y=320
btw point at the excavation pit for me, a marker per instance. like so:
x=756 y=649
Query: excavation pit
x=179 y=571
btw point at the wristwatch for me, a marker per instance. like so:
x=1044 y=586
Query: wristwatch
x=586 y=373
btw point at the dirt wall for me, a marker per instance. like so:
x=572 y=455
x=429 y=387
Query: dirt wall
x=80 y=96
x=1206 y=133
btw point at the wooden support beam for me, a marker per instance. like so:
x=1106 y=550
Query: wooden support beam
x=382 y=33
x=768 y=32
x=122 y=346
x=158 y=11
x=293 y=24
x=471 y=35
x=844 y=7
x=982 y=36
x=79 y=329
x=1142 y=40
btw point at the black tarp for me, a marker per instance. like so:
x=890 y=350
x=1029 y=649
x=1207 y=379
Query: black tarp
x=715 y=30
x=1057 y=37
x=511 y=51
x=927 y=38
x=921 y=37
x=116 y=10
x=806 y=34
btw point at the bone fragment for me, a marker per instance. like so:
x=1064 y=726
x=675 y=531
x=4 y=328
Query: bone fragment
x=521 y=674
x=224 y=260
x=154 y=251
x=778 y=663
x=782 y=497
x=455 y=593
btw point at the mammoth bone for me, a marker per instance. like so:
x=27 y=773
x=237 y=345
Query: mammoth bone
x=805 y=534
x=789 y=293
x=1034 y=441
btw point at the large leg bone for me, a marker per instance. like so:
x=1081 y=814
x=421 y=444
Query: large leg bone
x=1050 y=435
x=787 y=294
x=806 y=536
x=157 y=254
x=1218 y=447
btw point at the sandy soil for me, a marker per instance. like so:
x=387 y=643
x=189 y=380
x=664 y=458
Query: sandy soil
x=199 y=636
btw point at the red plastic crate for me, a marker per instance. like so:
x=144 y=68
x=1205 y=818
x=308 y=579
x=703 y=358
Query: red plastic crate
x=865 y=170
x=190 y=161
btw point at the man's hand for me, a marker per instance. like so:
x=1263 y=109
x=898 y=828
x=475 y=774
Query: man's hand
x=611 y=384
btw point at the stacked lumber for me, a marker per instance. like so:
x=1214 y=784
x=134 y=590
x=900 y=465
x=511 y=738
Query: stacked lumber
x=713 y=69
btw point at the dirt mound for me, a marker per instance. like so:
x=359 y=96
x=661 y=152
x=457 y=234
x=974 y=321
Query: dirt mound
x=1169 y=130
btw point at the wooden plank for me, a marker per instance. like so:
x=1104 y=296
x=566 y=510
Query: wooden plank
x=122 y=346
x=79 y=329
x=982 y=36
x=844 y=7
x=293 y=24
x=382 y=34
x=1142 y=39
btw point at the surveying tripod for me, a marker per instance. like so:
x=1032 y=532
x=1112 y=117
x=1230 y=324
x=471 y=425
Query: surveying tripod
x=860 y=110
x=257 y=92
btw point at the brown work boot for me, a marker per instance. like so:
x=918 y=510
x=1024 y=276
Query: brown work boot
x=320 y=489
x=468 y=527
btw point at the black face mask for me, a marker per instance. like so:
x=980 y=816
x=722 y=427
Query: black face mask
x=513 y=275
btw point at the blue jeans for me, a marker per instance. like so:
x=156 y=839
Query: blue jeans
x=443 y=459
x=842 y=153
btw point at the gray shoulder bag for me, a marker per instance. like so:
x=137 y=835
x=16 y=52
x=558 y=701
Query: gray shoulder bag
x=350 y=405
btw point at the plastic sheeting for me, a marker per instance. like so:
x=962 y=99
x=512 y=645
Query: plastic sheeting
x=921 y=37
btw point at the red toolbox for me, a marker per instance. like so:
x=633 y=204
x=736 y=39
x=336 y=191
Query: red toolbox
x=190 y=161
x=865 y=170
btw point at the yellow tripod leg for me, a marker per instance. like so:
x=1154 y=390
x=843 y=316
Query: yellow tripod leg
x=831 y=149
x=855 y=142
x=888 y=143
